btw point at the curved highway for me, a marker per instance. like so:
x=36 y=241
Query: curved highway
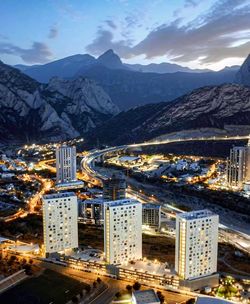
x=87 y=162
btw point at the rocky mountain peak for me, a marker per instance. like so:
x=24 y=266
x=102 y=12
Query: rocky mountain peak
x=110 y=59
x=243 y=75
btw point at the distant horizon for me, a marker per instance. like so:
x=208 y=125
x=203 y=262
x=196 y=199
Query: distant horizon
x=125 y=62
x=209 y=34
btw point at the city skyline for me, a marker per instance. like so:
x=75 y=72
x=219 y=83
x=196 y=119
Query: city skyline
x=190 y=33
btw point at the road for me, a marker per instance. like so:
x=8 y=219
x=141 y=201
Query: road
x=34 y=200
x=113 y=285
x=88 y=160
x=233 y=234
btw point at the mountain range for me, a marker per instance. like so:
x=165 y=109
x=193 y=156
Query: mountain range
x=211 y=111
x=62 y=109
x=131 y=85
x=68 y=67
x=75 y=106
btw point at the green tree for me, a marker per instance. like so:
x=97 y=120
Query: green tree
x=118 y=294
x=99 y=280
x=129 y=288
x=137 y=286
x=161 y=297
x=88 y=288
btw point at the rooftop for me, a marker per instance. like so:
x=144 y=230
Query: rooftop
x=64 y=146
x=72 y=184
x=149 y=266
x=96 y=201
x=150 y=206
x=128 y=158
x=193 y=215
x=3 y=239
x=58 y=195
x=211 y=300
x=146 y=297
x=122 y=202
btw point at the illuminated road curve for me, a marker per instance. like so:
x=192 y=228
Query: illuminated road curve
x=88 y=167
x=33 y=201
x=87 y=163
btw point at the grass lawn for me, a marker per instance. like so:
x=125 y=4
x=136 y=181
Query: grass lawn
x=47 y=288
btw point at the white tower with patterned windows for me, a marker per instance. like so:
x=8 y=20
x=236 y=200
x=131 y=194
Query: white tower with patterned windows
x=122 y=231
x=196 y=244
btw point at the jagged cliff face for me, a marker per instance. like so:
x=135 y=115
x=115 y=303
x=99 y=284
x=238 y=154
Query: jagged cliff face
x=243 y=75
x=60 y=110
x=218 y=109
x=209 y=107
x=84 y=102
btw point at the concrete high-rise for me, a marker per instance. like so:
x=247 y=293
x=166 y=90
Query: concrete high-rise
x=238 y=167
x=196 y=244
x=122 y=231
x=60 y=227
x=151 y=215
x=114 y=188
x=65 y=164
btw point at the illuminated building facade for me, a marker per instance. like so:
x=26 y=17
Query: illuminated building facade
x=122 y=231
x=196 y=244
x=60 y=227
x=238 y=167
x=65 y=164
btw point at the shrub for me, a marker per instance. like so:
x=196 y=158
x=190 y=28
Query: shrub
x=137 y=286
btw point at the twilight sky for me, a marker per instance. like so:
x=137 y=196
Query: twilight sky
x=194 y=33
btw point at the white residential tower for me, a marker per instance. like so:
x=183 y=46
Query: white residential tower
x=60 y=227
x=122 y=231
x=65 y=164
x=196 y=244
x=238 y=167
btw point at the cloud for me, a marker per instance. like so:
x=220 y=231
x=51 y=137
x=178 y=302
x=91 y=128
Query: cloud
x=111 y=24
x=53 y=32
x=191 y=3
x=38 y=53
x=104 y=41
x=132 y=20
x=3 y=37
x=72 y=13
x=211 y=37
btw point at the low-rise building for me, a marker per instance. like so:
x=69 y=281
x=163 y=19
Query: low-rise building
x=145 y=297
